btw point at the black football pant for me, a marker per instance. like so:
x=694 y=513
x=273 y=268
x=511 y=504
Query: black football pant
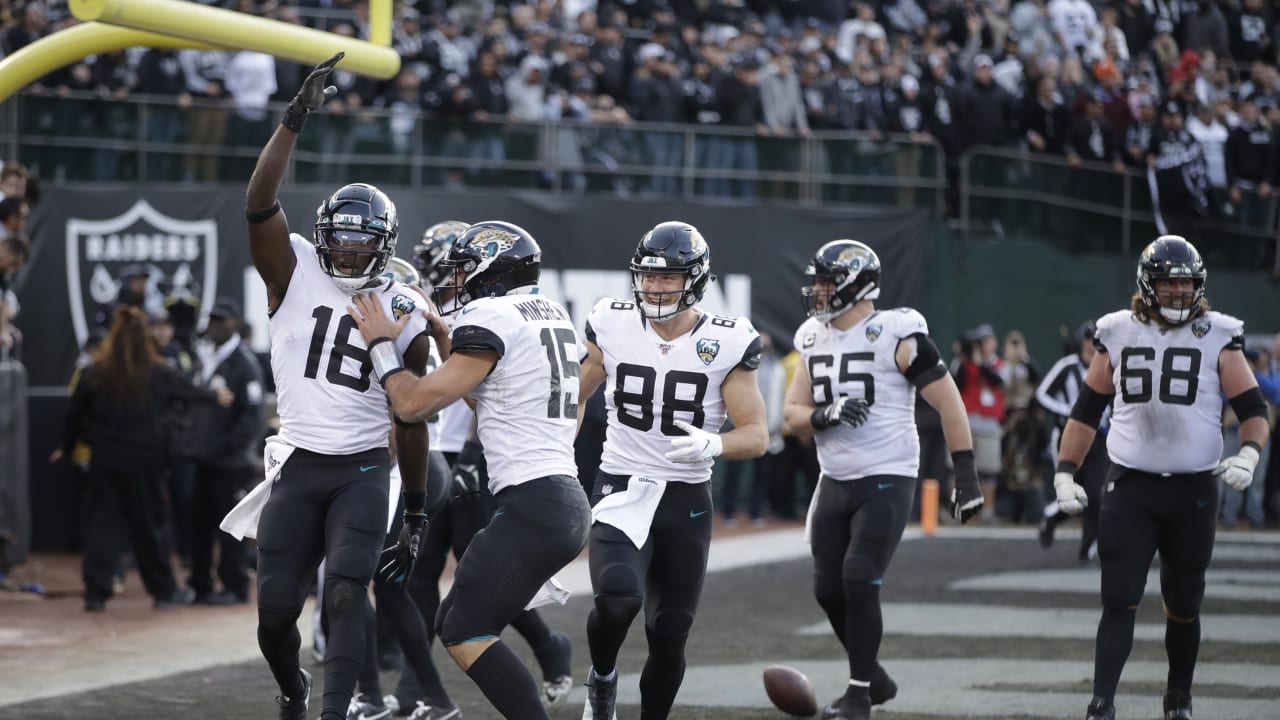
x=322 y=506
x=856 y=527
x=125 y=503
x=216 y=491
x=1143 y=514
x=663 y=577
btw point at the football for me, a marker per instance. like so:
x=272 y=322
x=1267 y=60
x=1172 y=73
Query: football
x=790 y=691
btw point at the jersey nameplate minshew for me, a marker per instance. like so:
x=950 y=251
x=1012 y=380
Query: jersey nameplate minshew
x=1167 y=412
x=527 y=408
x=861 y=363
x=652 y=382
x=327 y=400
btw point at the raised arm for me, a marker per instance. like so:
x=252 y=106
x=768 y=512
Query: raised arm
x=268 y=228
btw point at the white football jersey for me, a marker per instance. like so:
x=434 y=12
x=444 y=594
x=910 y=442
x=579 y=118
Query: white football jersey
x=451 y=428
x=527 y=408
x=1167 y=412
x=327 y=399
x=652 y=382
x=861 y=363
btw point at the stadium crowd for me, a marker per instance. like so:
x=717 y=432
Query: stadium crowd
x=1181 y=85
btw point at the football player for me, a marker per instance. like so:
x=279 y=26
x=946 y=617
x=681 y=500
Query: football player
x=515 y=353
x=672 y=374
x=454 y=433
x=1163 y=366
x=854 y=392
x=329 y=498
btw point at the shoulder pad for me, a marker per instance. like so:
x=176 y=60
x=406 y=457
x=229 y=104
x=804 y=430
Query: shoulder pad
x=1223 y=329
x=806 y=335
x=907 y=322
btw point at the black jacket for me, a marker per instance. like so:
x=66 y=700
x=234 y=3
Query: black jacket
x=228 y=438
x=136 y=434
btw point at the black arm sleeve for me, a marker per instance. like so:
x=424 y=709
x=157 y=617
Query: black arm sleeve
x=927 y=367
x=76 y=412
x=473 y=338
x=1090 y=406
x=1236 y=343
x=1249 y=404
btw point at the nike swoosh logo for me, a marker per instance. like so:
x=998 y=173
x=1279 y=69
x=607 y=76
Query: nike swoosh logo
x=467 y=310
x=367 y=468
x=881 y=486
x=693 y=514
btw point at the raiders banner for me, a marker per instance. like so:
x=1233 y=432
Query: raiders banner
x=192 y=243
x=1179 y=183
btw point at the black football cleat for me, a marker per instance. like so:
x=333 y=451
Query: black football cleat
x=1100 y=709
x=1177 y=705
x=296 y=708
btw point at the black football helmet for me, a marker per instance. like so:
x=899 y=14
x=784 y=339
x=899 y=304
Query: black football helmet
x=671 y=248
x=355 y=235
x=852 y=266
x=1171 y=257
x=434 y=247
x=489 y=259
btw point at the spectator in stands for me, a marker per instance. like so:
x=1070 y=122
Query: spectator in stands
x=1138 y=137
x=1210 y=132
x=739 y=96
x=1092 y=137
x=119 y=408
x=1250 y=165
x=1046 y=119
x=486 y=107
x=32 y=27
x=160 y=73
x=655 y=93
x=250 y=81
x=1206 y=28
x=783 y=110
x=205 y=73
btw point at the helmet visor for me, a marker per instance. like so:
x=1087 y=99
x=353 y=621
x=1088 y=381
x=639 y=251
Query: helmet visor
x=351 y=253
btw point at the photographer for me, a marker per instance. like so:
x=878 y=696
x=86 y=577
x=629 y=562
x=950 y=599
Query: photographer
x=977 y=372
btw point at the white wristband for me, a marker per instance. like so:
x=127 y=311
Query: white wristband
x=386 y=359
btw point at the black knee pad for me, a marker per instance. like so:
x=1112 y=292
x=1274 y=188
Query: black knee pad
x=618 y=610
x=343 y=597
x=857 y=591
x=670 y=629
x=1182 y=602
x=828 y=590
x=859 y=569
x=274 y=622
x=1119 y=591
x=457 y=626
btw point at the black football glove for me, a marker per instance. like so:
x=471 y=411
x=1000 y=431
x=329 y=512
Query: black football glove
x=312 y=94
x=395 y=566
x=847 y=411
x=966 y=496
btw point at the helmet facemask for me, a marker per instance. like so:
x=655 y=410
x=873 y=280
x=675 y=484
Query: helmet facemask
x=669 y=303
x=826 y=306
x=1175 y=306
x=351 y=257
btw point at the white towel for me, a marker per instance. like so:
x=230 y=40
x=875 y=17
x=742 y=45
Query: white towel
x=550 y=592
x=242 y=521
x=631 y=510
x=393 y=495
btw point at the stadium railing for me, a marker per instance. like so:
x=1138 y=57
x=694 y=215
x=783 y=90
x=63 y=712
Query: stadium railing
x=1089 y=208
x=80 y=137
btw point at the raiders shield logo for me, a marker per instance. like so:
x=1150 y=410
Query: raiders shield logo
x=708 y=349
x=181 y=258
x=401 y=306
x=1201 y=327
x=873 y=332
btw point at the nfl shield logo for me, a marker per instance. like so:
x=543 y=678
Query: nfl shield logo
x=181 y=257
x=708 y=349
x=1201 y=327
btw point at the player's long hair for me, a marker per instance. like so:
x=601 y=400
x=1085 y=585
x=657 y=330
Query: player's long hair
x=125 y=360
x=1146 y=314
